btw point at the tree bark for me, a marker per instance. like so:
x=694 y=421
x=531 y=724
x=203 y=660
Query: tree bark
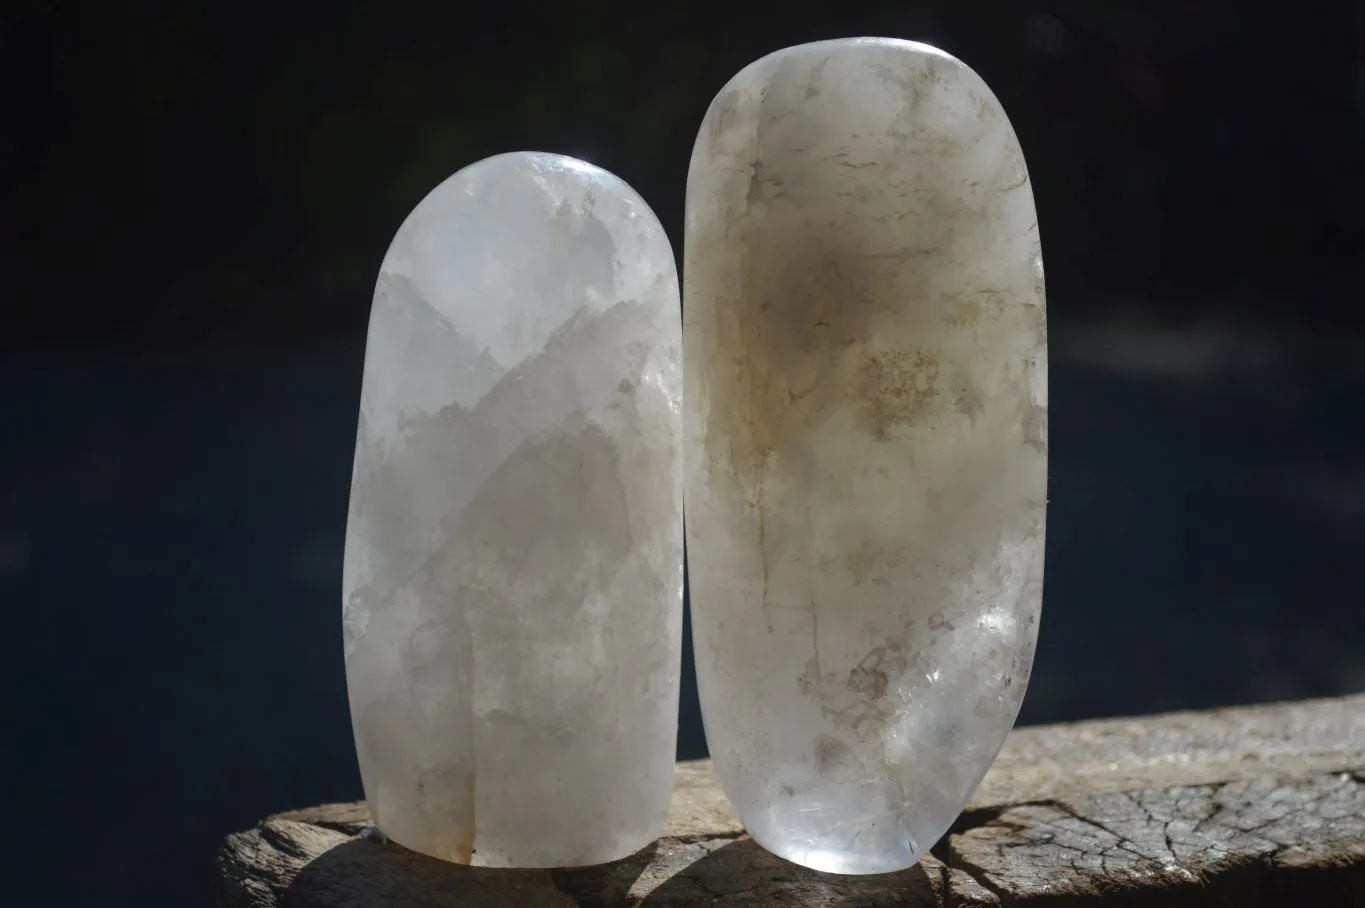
x=1261 y=805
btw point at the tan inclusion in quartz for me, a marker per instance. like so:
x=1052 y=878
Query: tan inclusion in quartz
x=865 y=361
x=513 y=570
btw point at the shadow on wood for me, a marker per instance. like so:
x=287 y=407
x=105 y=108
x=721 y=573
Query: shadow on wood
x=741 y=872
x=363 y=872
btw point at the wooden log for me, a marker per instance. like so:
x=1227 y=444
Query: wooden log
x=1260 y=805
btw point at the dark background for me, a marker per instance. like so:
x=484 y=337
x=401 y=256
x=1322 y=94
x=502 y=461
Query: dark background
x=196 y=198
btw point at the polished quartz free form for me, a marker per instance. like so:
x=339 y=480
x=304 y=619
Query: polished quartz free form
x=866 y=443
x=513 y=569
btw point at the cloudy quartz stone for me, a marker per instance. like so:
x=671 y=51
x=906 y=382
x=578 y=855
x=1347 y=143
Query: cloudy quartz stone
x=866 y=444
x=513 y=570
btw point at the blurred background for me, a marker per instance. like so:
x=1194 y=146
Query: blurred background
x=196 y=198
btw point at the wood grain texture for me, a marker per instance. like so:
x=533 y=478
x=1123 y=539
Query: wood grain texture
x=1259 y=805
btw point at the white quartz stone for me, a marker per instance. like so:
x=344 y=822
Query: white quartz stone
x=513 y=571
x=865 y=444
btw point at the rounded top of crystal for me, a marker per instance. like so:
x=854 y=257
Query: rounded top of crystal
x=512 y=247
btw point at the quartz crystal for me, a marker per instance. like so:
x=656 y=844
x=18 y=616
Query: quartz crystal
x=865 y=443
x=513 y=572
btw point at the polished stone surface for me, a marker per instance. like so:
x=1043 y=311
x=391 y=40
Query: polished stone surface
x=865 y=352
x=513 y=566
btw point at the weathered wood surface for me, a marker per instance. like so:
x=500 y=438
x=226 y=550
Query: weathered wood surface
x=1253 y=806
